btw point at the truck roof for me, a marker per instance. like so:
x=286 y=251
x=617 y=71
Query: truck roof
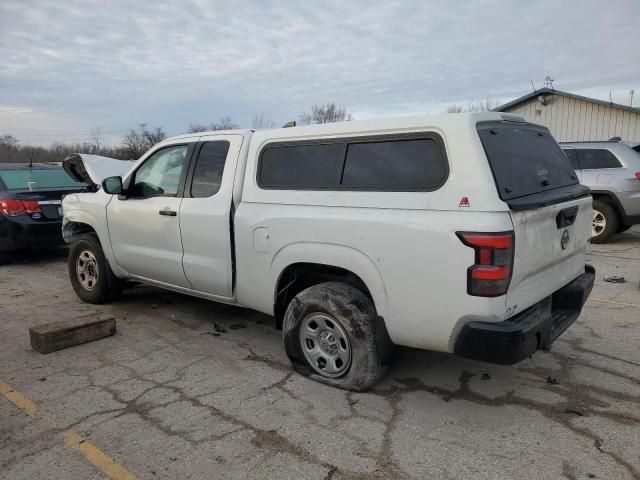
x=364 y=126
x=188 y=136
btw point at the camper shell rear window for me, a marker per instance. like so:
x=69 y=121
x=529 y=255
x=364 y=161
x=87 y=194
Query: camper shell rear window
x=525 y=159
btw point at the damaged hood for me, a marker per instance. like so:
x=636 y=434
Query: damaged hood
x=92 y=169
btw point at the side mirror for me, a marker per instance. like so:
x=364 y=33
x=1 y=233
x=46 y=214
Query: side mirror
x=112 y=185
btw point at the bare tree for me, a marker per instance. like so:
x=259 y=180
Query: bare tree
x=136 y=142
x=8 y=141
x=96 y=137
x=61 y=150
x=260 y=120
x=197 y=128
x=225 y=123
x=327 y=113
x=474 y=106
x=8 y=147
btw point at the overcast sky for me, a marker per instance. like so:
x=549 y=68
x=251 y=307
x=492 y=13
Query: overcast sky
x=69 y=66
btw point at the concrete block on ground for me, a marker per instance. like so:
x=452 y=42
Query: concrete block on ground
x=55 y=336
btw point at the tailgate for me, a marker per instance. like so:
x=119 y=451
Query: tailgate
x=550 y=245
x=550 y=211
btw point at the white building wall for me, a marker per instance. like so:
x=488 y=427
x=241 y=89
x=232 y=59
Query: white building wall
x=571 y=120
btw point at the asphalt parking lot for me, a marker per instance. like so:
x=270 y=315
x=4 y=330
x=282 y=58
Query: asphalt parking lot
x=193 y=389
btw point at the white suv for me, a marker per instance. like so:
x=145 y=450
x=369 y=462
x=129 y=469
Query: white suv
x=459 y=233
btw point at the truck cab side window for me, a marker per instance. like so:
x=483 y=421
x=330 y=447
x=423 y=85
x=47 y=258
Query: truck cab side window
x=160 y=174
x=207 y=175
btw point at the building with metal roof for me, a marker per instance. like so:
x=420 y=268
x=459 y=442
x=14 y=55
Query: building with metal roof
x=572 y=118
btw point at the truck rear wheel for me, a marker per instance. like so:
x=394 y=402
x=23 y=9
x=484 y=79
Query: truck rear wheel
x=605 y=222
x=330 y=336
x=89 y=272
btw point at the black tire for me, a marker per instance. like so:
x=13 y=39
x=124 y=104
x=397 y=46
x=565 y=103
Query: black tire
x=355 y=313
x=624 y=228
x=610 y=218
x=106 y=285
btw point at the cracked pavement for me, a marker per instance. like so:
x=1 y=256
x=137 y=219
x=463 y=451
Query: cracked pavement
x=194 y=389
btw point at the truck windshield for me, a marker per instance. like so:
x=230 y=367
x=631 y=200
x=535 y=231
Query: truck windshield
x=524 y=159
x=37 y=178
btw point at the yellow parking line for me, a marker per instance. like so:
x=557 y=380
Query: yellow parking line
x=106 y=465
x=74 y=441
x=614 y=303
x=19 y=400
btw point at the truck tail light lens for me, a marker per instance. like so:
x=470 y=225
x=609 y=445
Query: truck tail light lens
x=638 y=175
x=490 y=275
x=12 y=207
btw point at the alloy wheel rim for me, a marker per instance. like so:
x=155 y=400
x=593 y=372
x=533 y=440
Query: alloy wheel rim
x=87 y=270
x=599 y=223
x=325 y=345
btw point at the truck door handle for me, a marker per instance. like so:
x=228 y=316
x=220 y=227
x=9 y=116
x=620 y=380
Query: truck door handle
x=167 y=212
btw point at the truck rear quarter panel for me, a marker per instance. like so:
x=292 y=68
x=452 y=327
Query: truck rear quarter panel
x=412 y=262
x=403 y=245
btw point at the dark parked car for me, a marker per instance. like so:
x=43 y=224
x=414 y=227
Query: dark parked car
x=30 y=205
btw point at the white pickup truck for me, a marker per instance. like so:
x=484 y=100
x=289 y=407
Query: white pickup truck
x=461 y=233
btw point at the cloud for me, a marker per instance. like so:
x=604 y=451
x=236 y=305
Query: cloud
x=14 y=110
x=118 y=63
x=37 y=127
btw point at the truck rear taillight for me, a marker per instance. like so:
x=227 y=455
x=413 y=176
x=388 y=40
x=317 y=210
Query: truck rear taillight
x=12 y=207
x=638 y=175
x=490 y=275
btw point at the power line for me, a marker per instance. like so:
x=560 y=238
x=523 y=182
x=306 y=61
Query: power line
x=65 y=137
x=67 y=140
x=73 y=134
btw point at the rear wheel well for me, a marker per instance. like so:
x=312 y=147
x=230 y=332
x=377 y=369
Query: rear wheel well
x=300 y=276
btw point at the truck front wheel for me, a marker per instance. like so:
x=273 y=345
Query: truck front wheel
x=89 y=272
x=329 y=336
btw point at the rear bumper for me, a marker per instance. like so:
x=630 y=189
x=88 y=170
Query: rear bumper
x=534 y=329
x=22 y=235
